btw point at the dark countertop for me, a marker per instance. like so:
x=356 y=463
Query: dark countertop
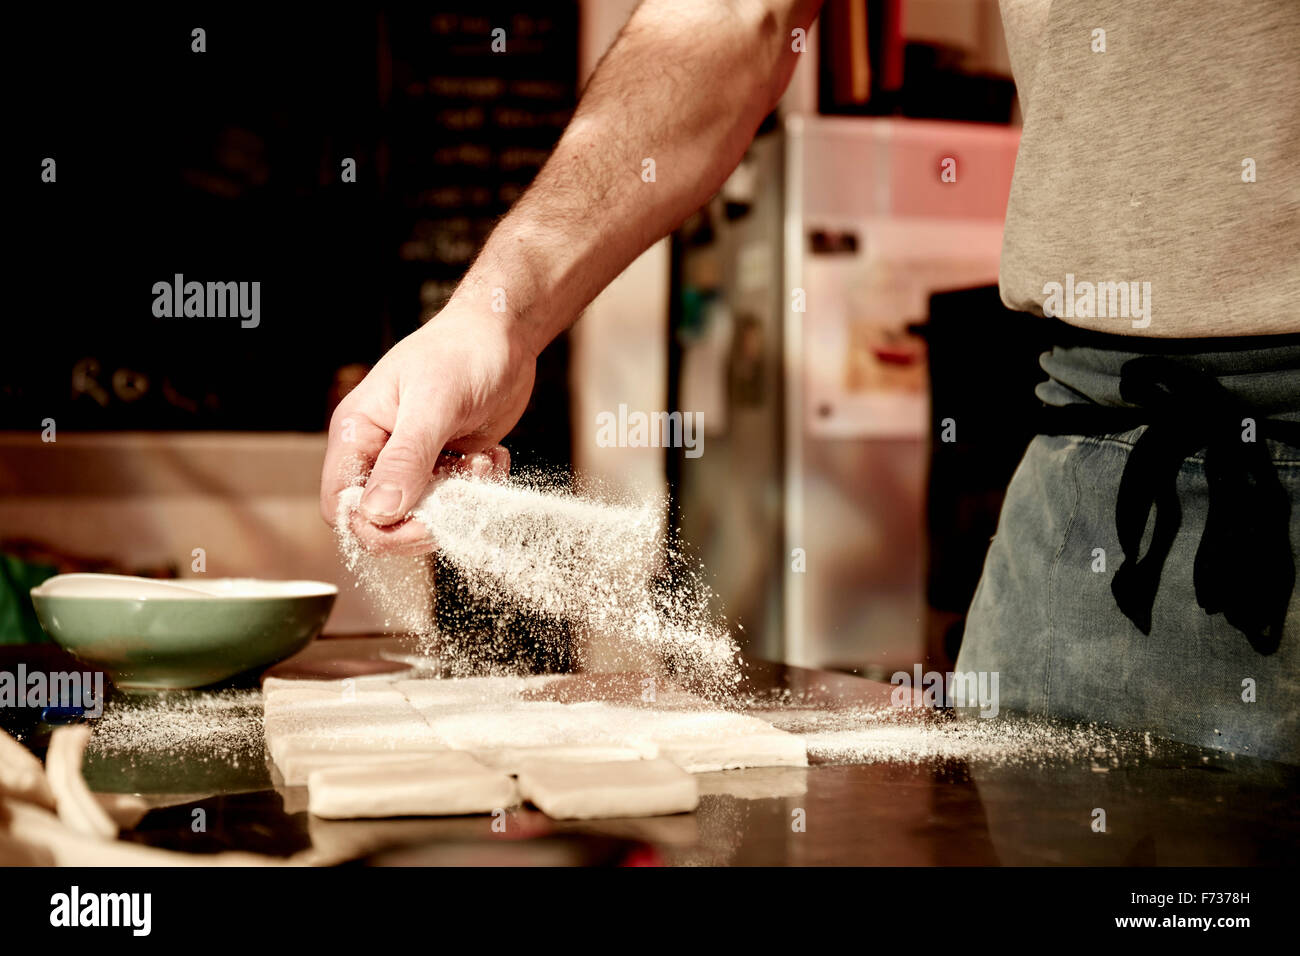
x=1176 y=805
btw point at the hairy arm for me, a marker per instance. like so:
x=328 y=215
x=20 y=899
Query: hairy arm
x=686 y=85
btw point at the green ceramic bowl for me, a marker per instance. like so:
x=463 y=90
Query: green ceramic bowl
x=149 y=634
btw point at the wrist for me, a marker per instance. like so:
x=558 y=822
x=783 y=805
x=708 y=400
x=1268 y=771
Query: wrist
x=512 y=300
x=483 y=307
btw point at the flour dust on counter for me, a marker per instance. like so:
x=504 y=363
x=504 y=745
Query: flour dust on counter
x=536 y=547
x=222 y=726
x=887 y=734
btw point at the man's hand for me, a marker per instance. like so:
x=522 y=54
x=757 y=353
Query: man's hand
x=458 y=384
x=686 y=84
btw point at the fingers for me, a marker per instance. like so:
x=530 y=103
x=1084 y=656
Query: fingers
x=407 y=538
x=500 y=456
x=478 y=465
x=355 y=441
x=404 y=467
x=490 y=462
x=410 y=537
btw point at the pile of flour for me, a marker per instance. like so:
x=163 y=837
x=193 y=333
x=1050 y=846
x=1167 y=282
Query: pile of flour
x=550 y=553
x=216 y=726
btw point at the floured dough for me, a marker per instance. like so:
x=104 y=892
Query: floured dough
x=589 y=791
x=430 y=747
x=365 y=682
x=442 y=784
x=306 y=700
x=281 y=746
x=696 y=740
x=773 y=748
x=510 y=759
x=378 y=720
x=462 y=691
x=299 y=759
x=537 y=724
x=703 y=741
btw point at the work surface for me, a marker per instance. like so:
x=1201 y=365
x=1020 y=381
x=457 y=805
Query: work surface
x=1171 y=805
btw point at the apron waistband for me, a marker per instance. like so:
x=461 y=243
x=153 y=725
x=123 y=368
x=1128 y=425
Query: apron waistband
x=1244 y=565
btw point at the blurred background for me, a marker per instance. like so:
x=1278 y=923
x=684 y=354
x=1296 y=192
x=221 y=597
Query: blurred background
x=828 y=313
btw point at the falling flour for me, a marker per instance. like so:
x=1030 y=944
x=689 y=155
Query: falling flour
x=523 y=548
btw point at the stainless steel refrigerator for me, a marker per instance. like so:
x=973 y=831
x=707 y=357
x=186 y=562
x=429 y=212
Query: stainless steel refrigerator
x=796 y=292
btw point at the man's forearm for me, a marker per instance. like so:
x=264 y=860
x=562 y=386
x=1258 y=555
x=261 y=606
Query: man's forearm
x=685 y=85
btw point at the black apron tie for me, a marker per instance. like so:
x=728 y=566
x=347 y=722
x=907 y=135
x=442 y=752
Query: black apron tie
x=1244 y=567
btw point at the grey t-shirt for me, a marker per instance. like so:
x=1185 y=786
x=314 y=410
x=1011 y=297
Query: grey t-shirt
x=1130 y=187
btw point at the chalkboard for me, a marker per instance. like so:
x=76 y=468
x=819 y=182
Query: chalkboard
x=226 y=166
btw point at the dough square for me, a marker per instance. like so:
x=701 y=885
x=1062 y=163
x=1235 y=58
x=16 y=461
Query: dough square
x=366 y=682
x=306 y=705
x=510 y=759
x=440 y=784
x=536 y=724
x=282 y=746
x=347 y=720
x=298 y=759
x=772 y=748
x=590 y=791
x=282 y=709
x=436 y=692
x=705 y=741
x=367 y=722
x=470 y=691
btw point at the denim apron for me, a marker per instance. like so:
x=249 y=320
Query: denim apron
x=1143 y=570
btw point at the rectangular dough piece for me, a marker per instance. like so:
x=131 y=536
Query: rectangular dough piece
x=281 y=746
x=442 y=784
x=510 y=759
x=289 y=700
x=373 y=721
x=592 y=791
x=705 y=741
x=353 y=720
x=283 y=702
x=772 y=748
x=367 y=682
x=538 y=724
x=298 y=759
x=462 y=691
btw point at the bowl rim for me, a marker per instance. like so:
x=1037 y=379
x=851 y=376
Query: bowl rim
x=190 y=589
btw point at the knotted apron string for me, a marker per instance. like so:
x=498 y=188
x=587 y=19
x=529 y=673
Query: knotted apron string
x=1244 y=566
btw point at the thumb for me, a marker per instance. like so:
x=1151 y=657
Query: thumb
x=402 y=470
